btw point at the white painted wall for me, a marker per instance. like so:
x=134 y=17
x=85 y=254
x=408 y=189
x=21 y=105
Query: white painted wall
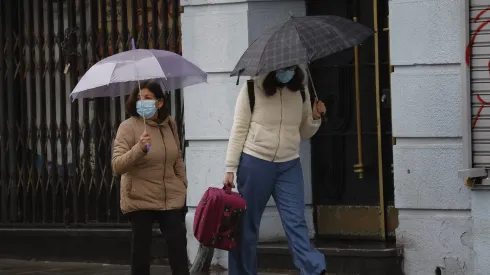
x=215 y=33
x=435 y=227
x=436 y=224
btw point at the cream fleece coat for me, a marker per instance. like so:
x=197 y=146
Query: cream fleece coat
x=274 y=130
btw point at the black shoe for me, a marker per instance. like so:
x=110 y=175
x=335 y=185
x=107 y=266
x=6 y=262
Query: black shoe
x=324 y=272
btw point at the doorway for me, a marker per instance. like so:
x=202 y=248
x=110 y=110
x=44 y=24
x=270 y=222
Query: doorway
x=352 y=155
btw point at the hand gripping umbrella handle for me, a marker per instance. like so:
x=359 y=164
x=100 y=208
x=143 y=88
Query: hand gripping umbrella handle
x=314 y=89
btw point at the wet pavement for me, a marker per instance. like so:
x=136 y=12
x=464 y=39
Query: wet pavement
x=16 y=267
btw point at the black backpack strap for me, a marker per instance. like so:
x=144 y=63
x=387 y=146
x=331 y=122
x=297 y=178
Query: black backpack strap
x=251 y=94
x=170 y=123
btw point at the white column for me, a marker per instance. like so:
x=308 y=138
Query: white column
x=434 y=218
x=214 y=36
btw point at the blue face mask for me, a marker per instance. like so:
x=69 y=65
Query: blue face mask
x=284 y=76
x=146 y=108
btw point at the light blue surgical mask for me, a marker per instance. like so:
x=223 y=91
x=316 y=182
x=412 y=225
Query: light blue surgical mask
x=146 y=108
x=284 y=76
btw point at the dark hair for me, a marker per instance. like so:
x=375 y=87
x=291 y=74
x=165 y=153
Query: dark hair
x=155 y=89
x=271 y=84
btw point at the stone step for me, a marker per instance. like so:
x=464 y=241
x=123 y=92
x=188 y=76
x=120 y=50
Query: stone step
x=113 y=246
x=349 y=257
x=17 y=267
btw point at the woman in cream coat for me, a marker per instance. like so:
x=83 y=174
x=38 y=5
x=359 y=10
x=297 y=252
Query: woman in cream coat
x=263 y=151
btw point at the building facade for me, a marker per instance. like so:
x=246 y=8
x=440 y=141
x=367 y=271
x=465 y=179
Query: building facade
x=402 y=158
x=429 y=122
x=431 y=101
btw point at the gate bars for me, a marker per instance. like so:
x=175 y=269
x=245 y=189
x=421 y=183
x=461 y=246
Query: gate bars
x=55 y=154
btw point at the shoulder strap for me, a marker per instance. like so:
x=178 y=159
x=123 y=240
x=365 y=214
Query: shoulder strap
x=251 y=94
x=173 y=127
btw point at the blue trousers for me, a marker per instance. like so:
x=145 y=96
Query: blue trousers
x=257 y=180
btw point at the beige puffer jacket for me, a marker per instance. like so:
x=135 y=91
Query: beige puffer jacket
x=150 y=181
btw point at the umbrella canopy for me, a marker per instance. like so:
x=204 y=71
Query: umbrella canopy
x=116 y=75
x=300 y=40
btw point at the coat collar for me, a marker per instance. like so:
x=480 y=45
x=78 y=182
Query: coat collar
x=153 y=123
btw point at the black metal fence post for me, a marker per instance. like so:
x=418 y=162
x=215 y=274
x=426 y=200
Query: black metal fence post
x=33 y=172
x=3 y=124
x=84 y=179
x=95 y=127
x=42 y=165
x=165 y=40
x=11 y=112
x=22 y=141
x=50 y=93
x=113 y=190
x=72 y=170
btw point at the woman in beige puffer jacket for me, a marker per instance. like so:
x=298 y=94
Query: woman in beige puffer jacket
x=153 y=182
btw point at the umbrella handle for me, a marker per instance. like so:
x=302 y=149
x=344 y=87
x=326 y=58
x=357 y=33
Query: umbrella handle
x=147 y=147
x=132 y=44
x=314 y=89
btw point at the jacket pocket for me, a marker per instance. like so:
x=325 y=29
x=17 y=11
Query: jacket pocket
x=258 y=133
x=127 y=183
x=263 y=138
x=133 y=193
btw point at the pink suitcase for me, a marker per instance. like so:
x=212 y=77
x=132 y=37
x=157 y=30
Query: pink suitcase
x=218 y=218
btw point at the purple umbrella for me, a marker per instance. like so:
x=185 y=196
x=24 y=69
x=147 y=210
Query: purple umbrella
x=116 y=75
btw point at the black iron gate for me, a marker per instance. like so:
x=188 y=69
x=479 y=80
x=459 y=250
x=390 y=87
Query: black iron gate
x=55 y=154
x=352 y=152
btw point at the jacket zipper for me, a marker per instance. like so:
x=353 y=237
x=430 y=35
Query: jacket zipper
x=280 y=127
x=164 y=168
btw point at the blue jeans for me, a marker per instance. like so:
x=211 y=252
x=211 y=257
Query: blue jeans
x=257 y=180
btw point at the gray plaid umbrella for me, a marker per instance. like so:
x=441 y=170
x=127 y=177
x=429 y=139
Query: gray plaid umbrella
x=300 y=40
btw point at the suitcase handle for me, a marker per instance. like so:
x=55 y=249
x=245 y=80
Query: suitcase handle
x=227 y=189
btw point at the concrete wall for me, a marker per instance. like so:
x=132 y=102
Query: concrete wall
x=215 y=33
x=480 y=203
x=481 y=228
x=435 y=220
x=435 y=227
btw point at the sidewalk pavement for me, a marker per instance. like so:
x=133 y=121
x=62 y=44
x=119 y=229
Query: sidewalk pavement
x=17 y=267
